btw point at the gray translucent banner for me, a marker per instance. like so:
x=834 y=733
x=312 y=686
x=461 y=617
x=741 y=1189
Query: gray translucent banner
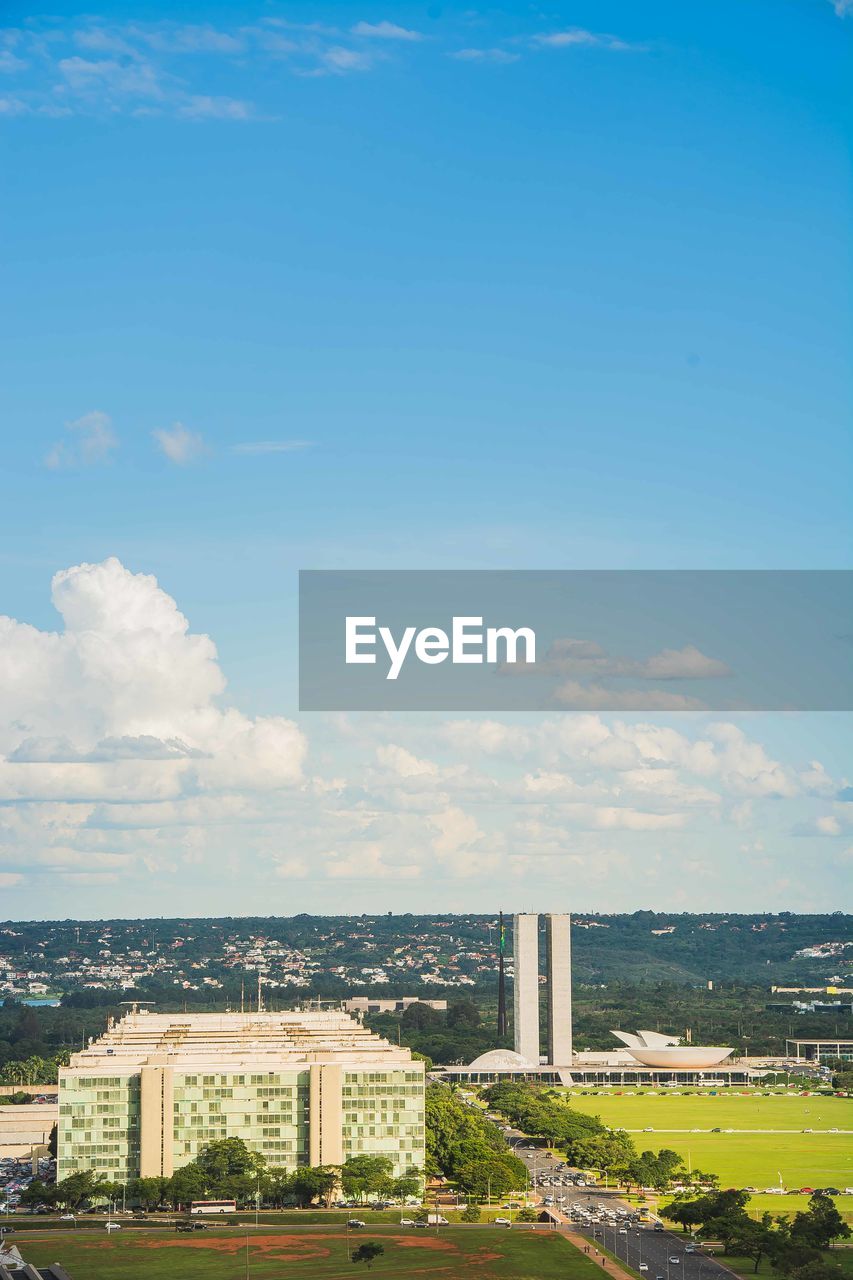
x=650 y=640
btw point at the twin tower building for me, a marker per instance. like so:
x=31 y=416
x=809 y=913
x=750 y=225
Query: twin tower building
x=558 y=975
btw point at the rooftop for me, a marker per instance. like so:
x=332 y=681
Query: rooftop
x=269 y=1040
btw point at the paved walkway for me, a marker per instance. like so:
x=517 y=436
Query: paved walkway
x=607 y=1264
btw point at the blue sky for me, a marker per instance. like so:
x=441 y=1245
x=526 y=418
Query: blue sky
x=428 y=286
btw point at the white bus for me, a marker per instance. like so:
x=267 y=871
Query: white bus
x=213 y=1206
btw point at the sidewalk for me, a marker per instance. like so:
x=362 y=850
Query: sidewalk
x=595 y=1255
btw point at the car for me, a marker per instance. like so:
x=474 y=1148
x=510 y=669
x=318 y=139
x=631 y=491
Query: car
x=201 y=1226
x=356 y=1222
x=807 y=1191
x=503 y=1222
x=186 y=1227
x=658 y=1226
x=714 y=1131
x=66 y=1217
x=644 y=1266
x=623 y=1231
x=808 y=1130
x=690 y=1248
x=420 y=1223
x=407 y=1222
x=674 y=1258
x=112 y=1226
x=648 y=1129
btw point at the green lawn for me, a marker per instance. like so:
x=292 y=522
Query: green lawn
x=745 y=1267
x=750 y=1158
x=452 y=1254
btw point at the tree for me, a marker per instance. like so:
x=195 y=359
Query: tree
x=368 y=1252
x=409 y=1185
x=528 y=1214
x=420 y=1016
x=463 y=1014
x=315 y=1183
x=226 y=1159
x=471 y=1212
x=185 y=1185
x=37 y=1193
x=149 y=1192
x=753 y=1239
x=820 y=1224
x=818 y=1270
x=363 y=1176
x=72 y=1191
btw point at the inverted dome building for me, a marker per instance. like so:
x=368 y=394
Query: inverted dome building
x=652 y=1049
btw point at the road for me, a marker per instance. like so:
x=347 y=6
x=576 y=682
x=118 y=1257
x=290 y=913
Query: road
x=636 y=1246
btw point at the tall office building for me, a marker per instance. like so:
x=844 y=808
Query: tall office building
x=558 y=975
x=558 y=950
x=300 y=1088
x=525 y=993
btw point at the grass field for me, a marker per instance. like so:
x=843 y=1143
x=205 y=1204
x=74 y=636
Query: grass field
x=458 y=1254
x=747 y=1158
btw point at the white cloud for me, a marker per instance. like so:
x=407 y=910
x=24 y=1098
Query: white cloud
x=9 y=879
x=594 y=696
x=577 y=37
x=403 y=763
x=339 y=59
x=842 y=7
x=122 y=704
x=206 y=107
x=493 y=54
x=385 y=31
x=129 y=78
x=270 y=446
x=9 y=64
x=178 y=443
x=91 y=440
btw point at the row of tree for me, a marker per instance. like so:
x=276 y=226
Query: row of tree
x=587 y=1143
x=33 y=1070
x=228 y=1170
x=795 y=1246
x=465 y=1147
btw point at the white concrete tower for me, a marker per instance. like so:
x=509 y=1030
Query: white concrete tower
x=558 y=941
x=525 y=987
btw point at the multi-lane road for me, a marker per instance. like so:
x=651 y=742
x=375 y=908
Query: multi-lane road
x=660 y=1254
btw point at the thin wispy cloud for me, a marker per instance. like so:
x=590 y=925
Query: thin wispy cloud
x=385 y=31
x=270 y=446
x=202 y=72
x=89 y=440
x=842 y=7
x=578 y=37
x=495 y=55
x=179 y=444
x=9 y=64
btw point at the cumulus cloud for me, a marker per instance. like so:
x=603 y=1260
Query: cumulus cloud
x=123 y=702
x=178 y=443
x=121 y=759
x=90 y=440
